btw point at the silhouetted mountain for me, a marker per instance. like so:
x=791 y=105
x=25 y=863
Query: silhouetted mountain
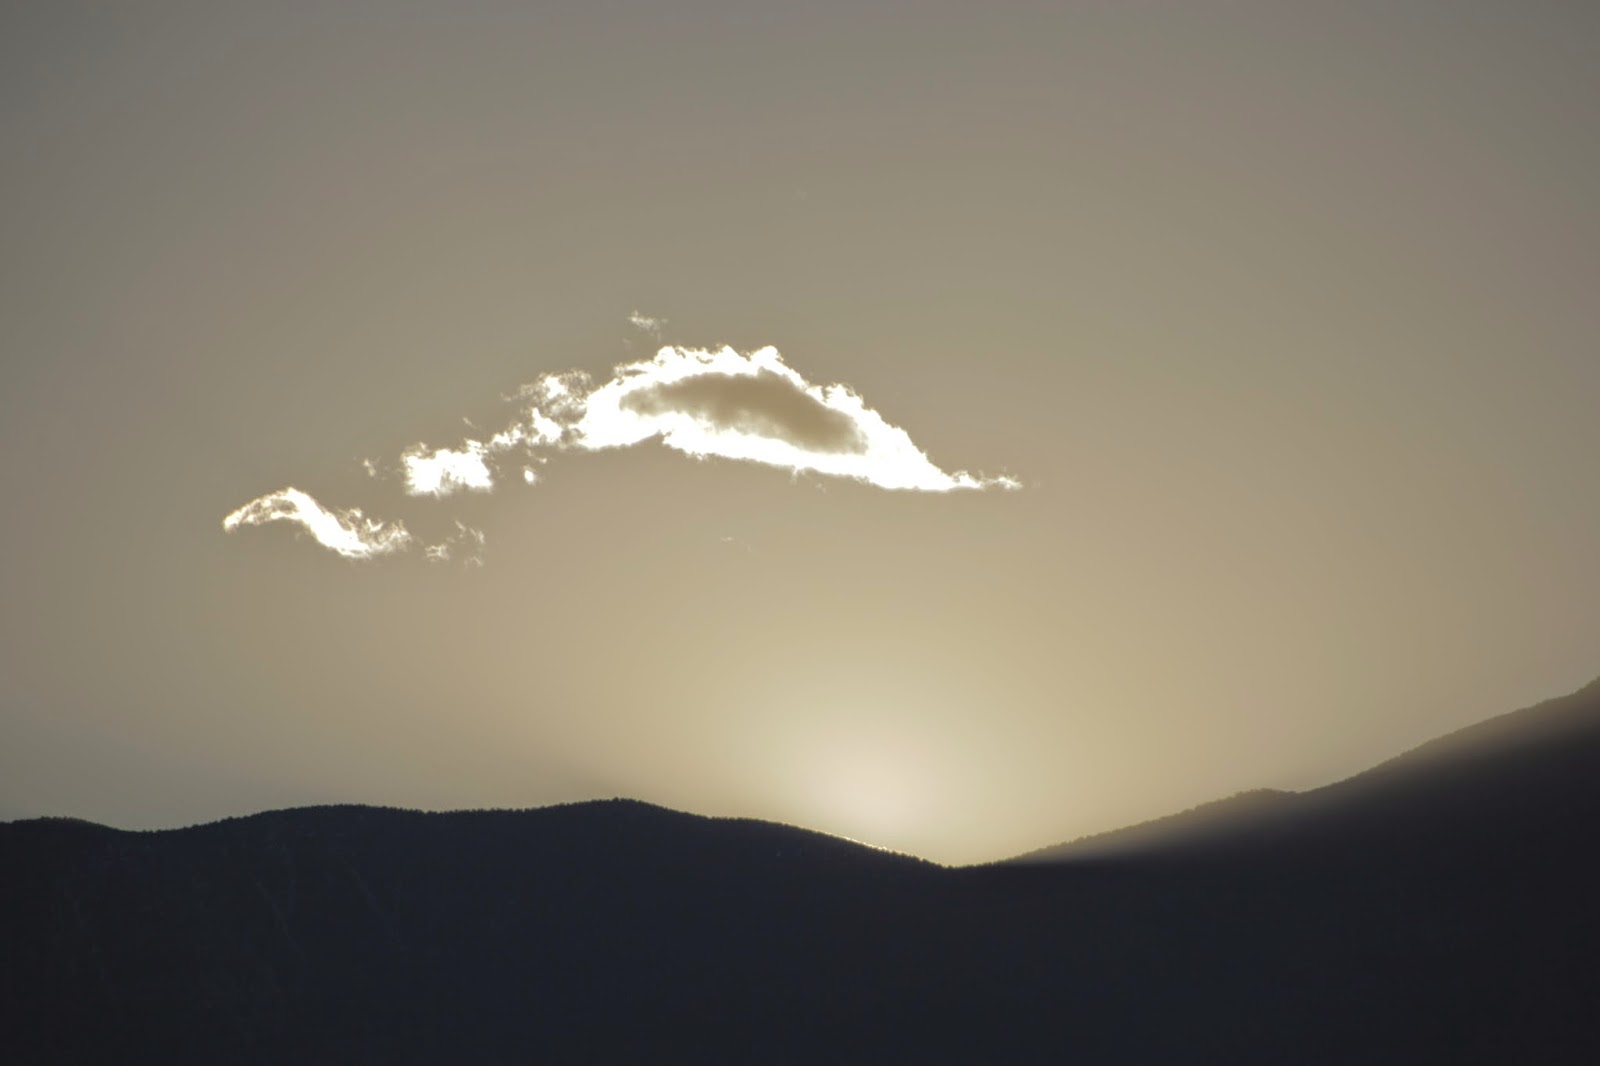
x=1438 y=908
x=1186 y=826
x=1528 y=780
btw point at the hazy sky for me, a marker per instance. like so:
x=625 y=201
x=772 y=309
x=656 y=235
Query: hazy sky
x=1282 y=315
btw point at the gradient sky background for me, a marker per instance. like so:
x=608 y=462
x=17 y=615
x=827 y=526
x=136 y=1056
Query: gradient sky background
x=1284 y=315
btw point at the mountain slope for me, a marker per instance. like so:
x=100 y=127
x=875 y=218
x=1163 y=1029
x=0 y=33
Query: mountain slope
x=1438 y=908
x=1529 y=779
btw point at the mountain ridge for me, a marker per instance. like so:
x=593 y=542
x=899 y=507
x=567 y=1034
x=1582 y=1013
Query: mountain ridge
x=1422 y=914
x=1545 y=722
x=1553 y=733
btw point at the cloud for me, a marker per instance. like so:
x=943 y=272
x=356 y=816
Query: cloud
x=765 y=405
x=751 y=407
x=647 y=323
x=465 y=544
x=754 y=408
x=349 y=532
x=443 y=470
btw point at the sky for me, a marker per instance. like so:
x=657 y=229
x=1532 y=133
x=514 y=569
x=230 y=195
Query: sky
x=960 y=427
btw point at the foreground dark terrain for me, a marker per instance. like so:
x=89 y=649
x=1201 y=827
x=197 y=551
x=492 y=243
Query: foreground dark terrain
x=1443 y=907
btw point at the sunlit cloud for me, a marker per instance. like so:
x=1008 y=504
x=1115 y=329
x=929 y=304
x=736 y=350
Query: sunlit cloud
x=464 y=546
x=441 y=471
x=751 y=407
x=756 y=408
x=648 y=323
x=348 y=532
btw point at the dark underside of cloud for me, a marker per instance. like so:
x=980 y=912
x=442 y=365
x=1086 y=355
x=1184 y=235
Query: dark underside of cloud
x=763 y=405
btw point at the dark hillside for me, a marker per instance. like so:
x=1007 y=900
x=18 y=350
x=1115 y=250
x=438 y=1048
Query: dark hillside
x=1440 y=908
x=1527 y=780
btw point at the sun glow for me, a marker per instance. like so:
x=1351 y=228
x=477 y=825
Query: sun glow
x=869 y=792
x=857 y=772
